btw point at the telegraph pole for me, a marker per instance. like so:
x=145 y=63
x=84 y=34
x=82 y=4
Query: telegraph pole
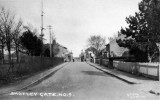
x=50 y=27
x=42 y=28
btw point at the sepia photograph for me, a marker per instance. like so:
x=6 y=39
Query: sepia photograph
x=79 y=49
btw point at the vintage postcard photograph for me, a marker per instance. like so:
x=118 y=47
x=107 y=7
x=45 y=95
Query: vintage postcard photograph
x=79 y=49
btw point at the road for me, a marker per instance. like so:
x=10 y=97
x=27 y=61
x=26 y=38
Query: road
x=80 y=81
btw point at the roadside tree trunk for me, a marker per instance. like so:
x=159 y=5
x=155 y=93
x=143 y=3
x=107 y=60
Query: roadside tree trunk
x=2 y=54
x=17 y=54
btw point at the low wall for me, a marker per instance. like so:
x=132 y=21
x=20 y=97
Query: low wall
x=30 y=64
x=150 y=70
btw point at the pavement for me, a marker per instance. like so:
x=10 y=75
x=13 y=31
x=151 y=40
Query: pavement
x=146 y=84
x=31 y=80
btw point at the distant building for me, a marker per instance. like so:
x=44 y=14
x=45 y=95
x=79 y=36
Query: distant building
x=82 y=56
x=105 y=52
x=58 y=50
x=115 y=49
x=68 y=56
x=62 y=51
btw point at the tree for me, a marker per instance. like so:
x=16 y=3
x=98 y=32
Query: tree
x=97 y=42
x=16 y=37
x=32 y=43
x=55 y=48
x=47 y=52
x=2 y=41
x=93 y=50
x=8 y=22
x=90 y=50
x=141 y=35
x=151 y=11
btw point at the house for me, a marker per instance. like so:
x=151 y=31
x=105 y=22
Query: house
x=62 y=51
x=68 y=56
x=105 y=52
x=114 y=49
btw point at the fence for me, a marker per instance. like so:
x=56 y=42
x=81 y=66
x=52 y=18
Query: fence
x=29 y=64
x=105 y=62
x=150 y=70
x=97 y=61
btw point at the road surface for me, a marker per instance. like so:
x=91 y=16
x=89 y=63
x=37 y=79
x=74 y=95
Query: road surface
x=80 y=81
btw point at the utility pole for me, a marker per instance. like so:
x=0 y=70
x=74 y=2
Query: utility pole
x=42 y=28
x=50 y=27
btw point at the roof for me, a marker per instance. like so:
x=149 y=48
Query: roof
x=121 y=36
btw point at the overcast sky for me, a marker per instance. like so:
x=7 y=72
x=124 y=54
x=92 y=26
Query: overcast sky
x=74 y=21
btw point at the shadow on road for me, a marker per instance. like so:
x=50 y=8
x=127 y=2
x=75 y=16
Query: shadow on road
x=93 y=73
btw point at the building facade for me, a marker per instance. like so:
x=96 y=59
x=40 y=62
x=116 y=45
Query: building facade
x=114 y=49
x=62 y=51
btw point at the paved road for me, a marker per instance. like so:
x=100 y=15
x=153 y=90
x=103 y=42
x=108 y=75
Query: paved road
x=80 y=81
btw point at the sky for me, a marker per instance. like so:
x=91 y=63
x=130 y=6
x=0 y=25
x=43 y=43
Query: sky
x=74 y=21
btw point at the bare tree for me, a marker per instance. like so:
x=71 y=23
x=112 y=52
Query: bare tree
x=9 y=29
x=2 y=41
x=16 y=37
x=97 y=42
x=7 y=20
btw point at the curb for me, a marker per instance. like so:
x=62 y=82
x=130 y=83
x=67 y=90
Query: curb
x=36 y=81
x=127 y=81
